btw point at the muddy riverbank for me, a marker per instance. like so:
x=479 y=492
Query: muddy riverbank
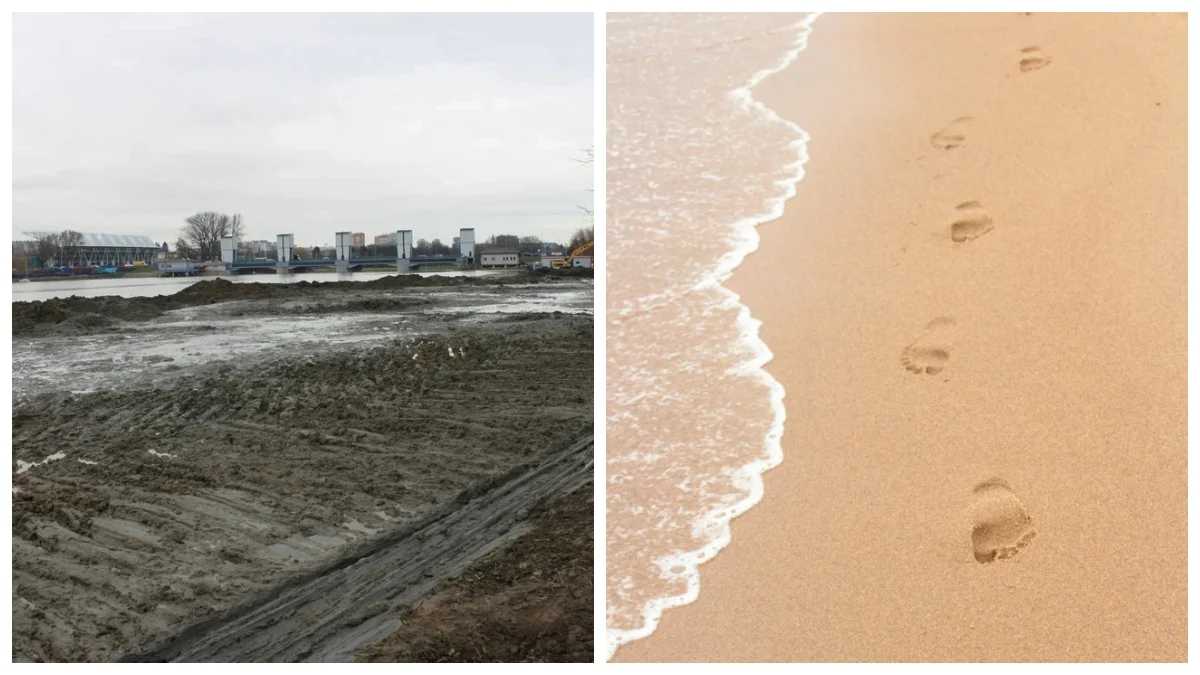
x=77 y=315
x=160 y=497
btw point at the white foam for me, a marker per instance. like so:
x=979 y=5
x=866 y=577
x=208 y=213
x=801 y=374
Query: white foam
x=22 y=467
x=714 y=526
x=164 y=454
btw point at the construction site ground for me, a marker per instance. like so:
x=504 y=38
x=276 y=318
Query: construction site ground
x=199 y=470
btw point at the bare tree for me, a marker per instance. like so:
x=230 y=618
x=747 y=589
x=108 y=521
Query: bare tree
x=69 y=243
x=582 y=236
x=204 y=230
x=47 y=247
x=184 y=249
x=588 y=214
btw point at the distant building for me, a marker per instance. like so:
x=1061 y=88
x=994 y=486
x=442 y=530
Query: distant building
x=581 y=261
x=554 y=260
x=500 y=258
x=358 y=239
x=385 y=239
x=259 y=246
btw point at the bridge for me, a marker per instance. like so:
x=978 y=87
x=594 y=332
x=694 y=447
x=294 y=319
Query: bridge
x=414 y=264
x=403 y=260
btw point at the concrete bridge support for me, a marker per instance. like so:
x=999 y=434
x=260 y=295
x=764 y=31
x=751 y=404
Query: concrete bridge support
x=342 y=245
x=466 y=246
x=404 y=244
x=283 y=252
x=229 y=247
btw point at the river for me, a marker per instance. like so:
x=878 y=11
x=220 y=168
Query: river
x=145 y=286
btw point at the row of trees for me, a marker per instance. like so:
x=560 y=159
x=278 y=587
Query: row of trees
x=435 y=247
x=581 y=236
x=528 y=244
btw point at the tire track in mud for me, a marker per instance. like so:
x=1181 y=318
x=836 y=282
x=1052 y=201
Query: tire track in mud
x=332 y=615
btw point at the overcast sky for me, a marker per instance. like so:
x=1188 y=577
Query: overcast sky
x=303 y=123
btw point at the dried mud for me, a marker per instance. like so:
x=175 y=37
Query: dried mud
x=139 y=511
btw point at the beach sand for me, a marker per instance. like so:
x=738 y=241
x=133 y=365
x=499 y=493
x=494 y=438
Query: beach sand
x=1023 y=497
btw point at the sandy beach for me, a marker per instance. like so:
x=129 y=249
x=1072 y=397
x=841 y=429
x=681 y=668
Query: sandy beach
x=977 y=304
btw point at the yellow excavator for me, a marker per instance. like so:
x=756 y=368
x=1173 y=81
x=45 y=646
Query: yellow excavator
x=585 y=250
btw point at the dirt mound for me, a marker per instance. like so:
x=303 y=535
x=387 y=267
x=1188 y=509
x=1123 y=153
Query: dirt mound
x=216 y=290
x=531 y=601
x=543 y=273
x=79 y=315
x=414 y=281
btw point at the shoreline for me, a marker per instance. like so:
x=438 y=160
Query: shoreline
x=861 y=548
x=748 y=477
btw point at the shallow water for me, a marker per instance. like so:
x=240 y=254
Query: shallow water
x=694 y=164
x=146 y=286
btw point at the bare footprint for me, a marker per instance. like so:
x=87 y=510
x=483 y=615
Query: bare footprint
x=1032 y=58
x=952 y=136
x=970 y=222
x=1000 y=525
x=930 y=352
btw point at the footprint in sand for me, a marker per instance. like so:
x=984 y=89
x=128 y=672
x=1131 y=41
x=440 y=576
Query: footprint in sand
x=930 y=352
x=952 y=136
x=1000 y=526
x=970 y=222
x=1032 y=58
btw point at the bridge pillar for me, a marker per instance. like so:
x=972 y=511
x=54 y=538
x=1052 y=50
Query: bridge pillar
x=229 y=246
x=404 y=244
x=466 y=246
x=283 y=253
x=342 y=244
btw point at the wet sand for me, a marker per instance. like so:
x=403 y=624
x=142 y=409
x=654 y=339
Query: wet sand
x=977 y=304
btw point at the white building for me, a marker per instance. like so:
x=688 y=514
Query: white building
x=500 y=259
x=581 y=261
